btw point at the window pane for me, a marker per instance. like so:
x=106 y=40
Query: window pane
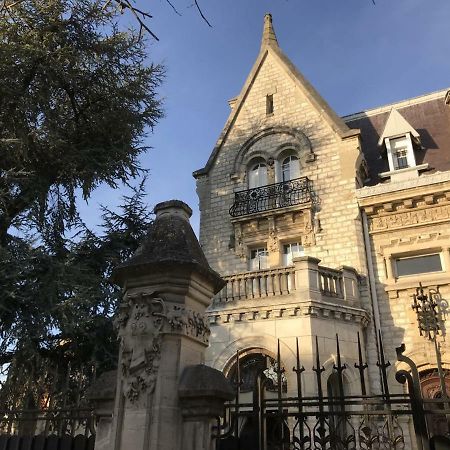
x=290 y=168
x=291 y=251
x=399 y=148
x=418 y=264
x=401 y=159
x=257 y=176
x=258 y=259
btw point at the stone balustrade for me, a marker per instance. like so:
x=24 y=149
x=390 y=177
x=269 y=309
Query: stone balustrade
x=258 y=284
x=330 y=282
x=304 y=275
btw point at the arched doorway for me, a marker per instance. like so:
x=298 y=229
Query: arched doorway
x=430 y=386
x=257 y=427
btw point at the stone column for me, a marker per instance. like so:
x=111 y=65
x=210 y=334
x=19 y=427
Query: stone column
x=307 y=276
x=202 y=392
x=167 y=286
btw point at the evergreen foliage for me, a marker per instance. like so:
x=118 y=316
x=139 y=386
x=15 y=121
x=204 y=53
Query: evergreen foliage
x=76 y=97
x=56 y=309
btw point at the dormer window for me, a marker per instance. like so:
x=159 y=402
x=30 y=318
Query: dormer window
x=398 y=141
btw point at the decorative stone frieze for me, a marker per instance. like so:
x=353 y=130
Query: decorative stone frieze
x=405 y=219
x=239 y=245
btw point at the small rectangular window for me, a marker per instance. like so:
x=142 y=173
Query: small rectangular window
x=269 y=104
x=258 y=259
x=399 y=148
x=291 y=251
x=418 y=264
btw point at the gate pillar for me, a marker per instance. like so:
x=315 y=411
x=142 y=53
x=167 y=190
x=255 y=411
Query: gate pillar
x=167 y=285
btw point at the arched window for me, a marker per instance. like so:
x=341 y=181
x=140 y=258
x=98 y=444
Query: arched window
x=257 y=175
x=254 y=365
x=430 y=385
x=290 y=168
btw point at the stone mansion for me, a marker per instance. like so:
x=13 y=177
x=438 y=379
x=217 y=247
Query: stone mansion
x=325 y=225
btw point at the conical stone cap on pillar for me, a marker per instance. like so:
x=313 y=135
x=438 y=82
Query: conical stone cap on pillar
x=170 y=242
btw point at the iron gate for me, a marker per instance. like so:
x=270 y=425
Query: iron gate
x=62 y=429
x=336 y=421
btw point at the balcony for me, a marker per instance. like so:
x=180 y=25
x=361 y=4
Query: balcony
x=273 y=196
x=305 y=279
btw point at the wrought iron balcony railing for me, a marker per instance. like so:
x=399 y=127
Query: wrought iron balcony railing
x=272 y=196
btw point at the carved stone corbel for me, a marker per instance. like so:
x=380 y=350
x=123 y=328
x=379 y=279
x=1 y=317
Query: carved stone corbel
x=239 y=246
x=309 y=237
x=272 y=242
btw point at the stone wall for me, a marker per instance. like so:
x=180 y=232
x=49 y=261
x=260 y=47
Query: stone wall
x=333 y=173
x=409 y=219
x=329 y=227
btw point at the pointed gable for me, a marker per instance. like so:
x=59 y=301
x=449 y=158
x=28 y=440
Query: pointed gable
x=270 y=48
x=396 y=125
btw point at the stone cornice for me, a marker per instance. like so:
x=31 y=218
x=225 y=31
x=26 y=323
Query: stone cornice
x=316 y=309
x=401 y=189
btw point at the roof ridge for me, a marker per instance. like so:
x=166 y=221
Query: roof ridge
x=396 y=105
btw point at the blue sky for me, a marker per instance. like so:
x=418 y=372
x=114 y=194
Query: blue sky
x=358 y=55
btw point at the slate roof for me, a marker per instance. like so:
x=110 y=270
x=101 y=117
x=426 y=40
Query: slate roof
x=428 y=114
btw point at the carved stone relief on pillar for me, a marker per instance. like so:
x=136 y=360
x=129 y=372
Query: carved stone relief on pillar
x=142 y=321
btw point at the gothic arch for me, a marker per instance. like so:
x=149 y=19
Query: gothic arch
x=253 y=344
x=350 y=375
x=298 y=141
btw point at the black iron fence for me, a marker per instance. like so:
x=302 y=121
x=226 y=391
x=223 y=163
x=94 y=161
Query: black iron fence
x=334 y=420
x=62 y=429
x=272 y=196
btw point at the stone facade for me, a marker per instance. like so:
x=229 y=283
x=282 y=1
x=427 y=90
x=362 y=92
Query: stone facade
x=353 y=224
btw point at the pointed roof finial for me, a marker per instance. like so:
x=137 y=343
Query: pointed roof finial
x=269 y=37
